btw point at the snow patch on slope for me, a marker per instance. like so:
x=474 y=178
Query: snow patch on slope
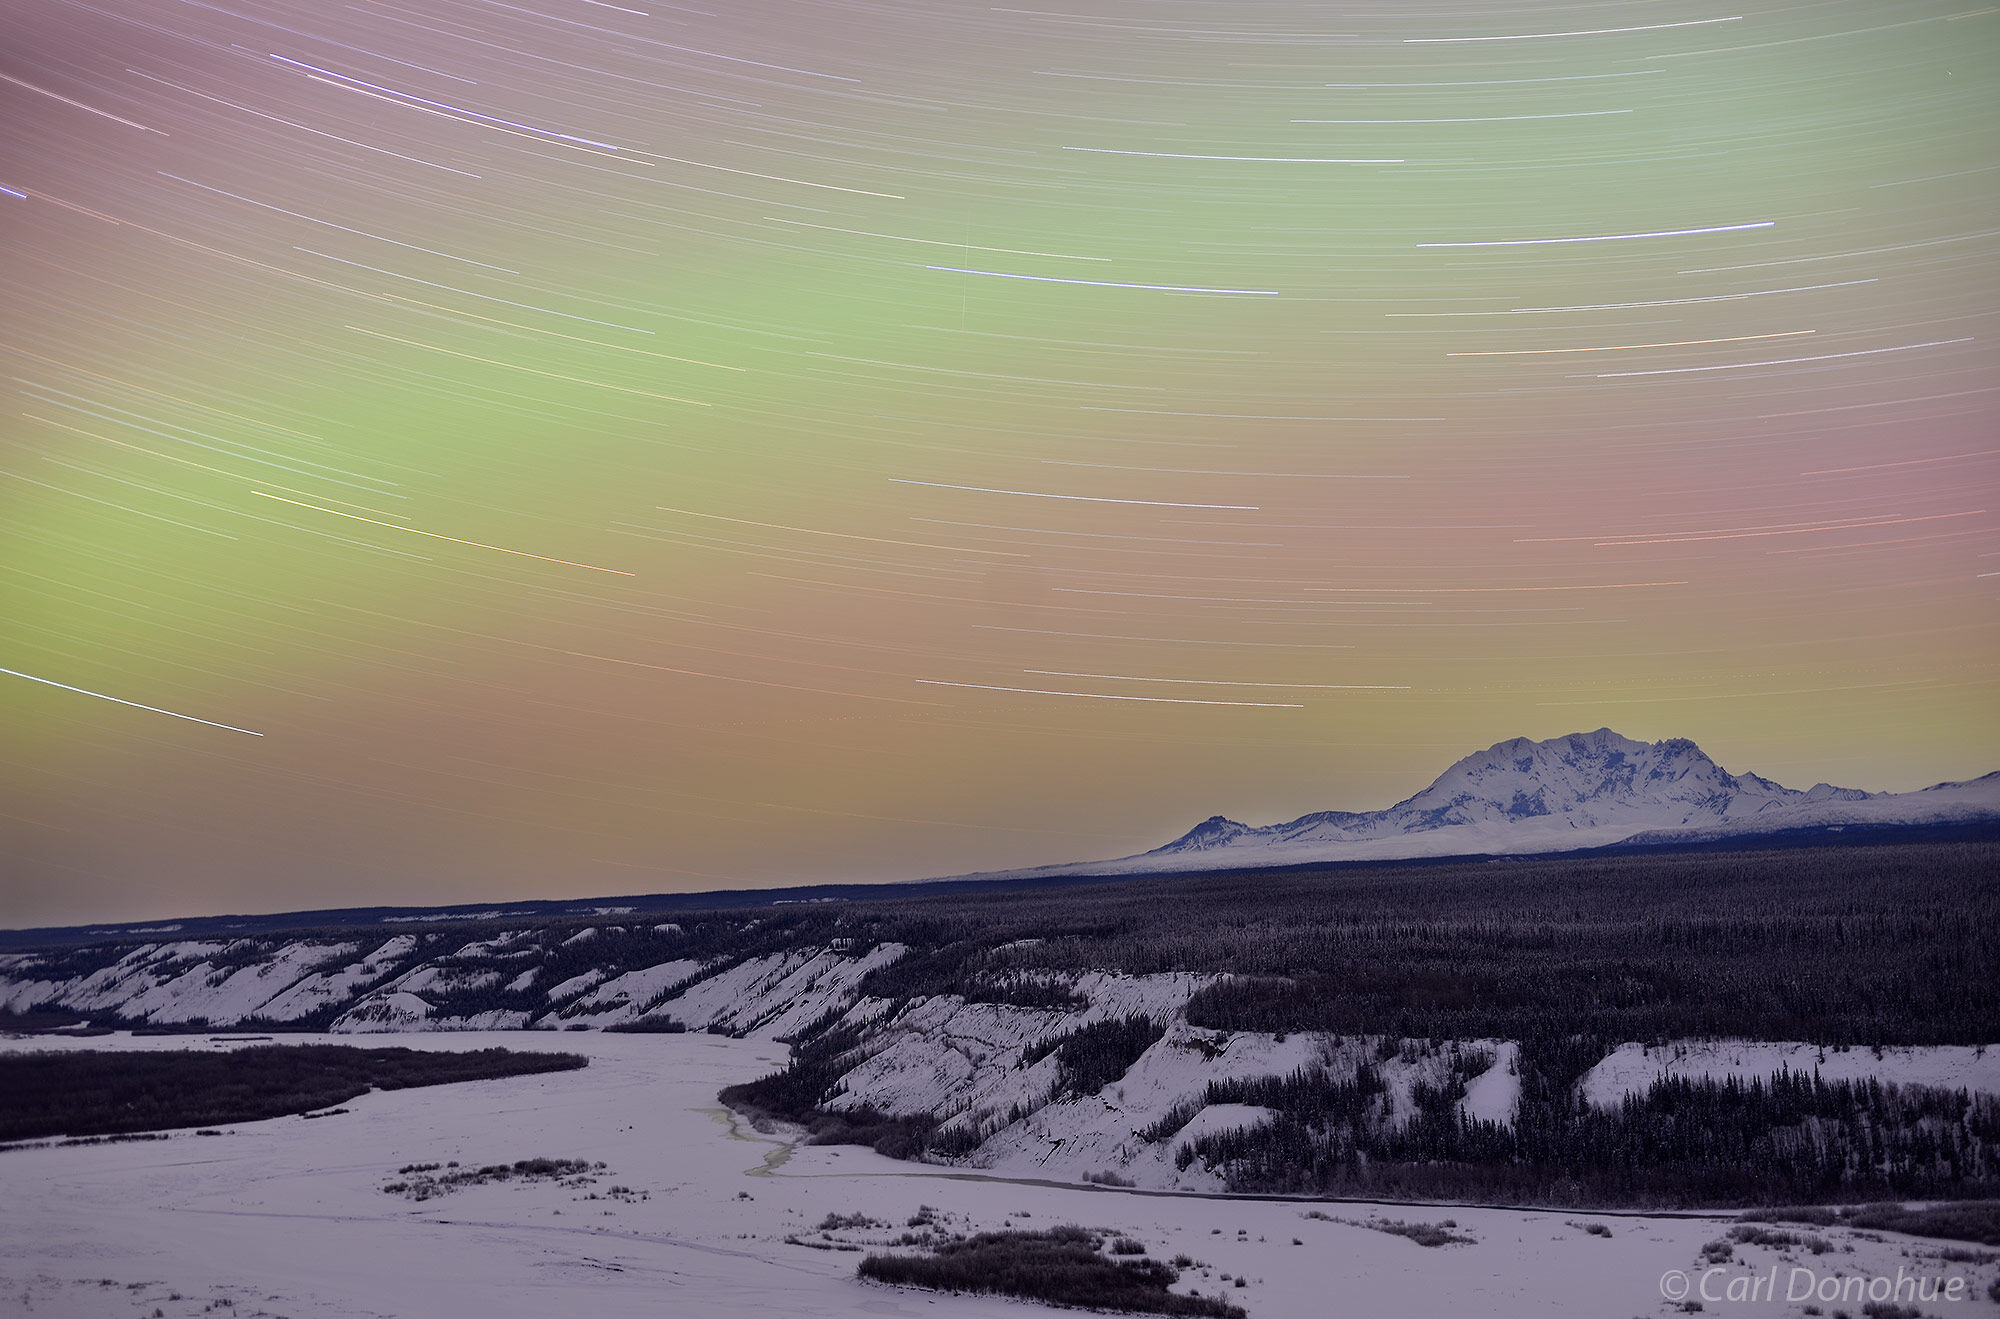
x=575 y=985
x=1632 y=1068
x=768 y=998
x=205 y=992
x=963 y=1061
x=332 y=987
x=625 y=998
x=393 y=1011
x=1119 y=1130
x=1495 y=1094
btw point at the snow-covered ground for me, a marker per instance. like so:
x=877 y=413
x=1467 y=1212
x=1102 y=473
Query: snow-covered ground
x=1631 y=1068
x=287 y=1217
x=1107 y=1132
x=985 y=1070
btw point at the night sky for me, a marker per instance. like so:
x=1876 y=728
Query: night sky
x=459 y=450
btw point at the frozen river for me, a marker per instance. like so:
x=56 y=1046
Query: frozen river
x=288 y=1217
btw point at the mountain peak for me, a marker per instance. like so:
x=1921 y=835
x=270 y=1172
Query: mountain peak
x=1215 y=831
x=1599 y=782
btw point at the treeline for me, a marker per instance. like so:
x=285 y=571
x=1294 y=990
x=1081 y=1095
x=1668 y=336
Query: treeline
x=1859 y=945
x=1868 y=945
x=98 y=1093
x=1878 y=944
x=800 y=1091
x=1856 y=946
x=1974 y=1221
x=1092 y=1057
x=1684 y=1142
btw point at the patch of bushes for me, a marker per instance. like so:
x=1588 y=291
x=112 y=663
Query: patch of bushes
x=794 y=1239
x=1812 y=1215
x=1972 y=1220
x=1890 y=1310
x=420 y=1185
x=848 y=1223
x=101 y=1093
x=46 y=1019
x=895 y=1137
x=1424 y=1234
x=1953 y=1255
x=108 y=1140
x=1060 y=1266
x=1968 y=1220
x=1750 y=1235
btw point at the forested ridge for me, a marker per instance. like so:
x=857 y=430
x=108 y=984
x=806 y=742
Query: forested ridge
x=1855 y=946
x=1843 y=948
x=1894 y=944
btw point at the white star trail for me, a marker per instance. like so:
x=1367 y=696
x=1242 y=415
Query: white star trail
x=657 y=433
x=119 y=700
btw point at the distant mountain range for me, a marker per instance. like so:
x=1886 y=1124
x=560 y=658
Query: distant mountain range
x=1585 y=790
x=1519 y=798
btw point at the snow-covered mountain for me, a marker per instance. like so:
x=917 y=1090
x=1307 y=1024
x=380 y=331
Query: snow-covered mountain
x=1583 y=790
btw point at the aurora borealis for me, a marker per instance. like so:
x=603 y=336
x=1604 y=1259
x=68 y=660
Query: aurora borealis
x=576 y=448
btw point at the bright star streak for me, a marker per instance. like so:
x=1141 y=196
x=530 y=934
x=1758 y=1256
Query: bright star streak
x=1222 y=682
x=1255 y=160
x=1784 y=361
x=1630 y=347
x=479 y=545
x=1625 y=306
x=119 y=700
x=455 y=109
x=89 y=109
x=1611 y=238
x=839 y=535
x=1908 y=462
x=1103 y=283
x=1101 y=696
x=1088 y=499
x=1586 y=32
x=1793 y=531
x=1475 y=119
x=1492 y=590
x=515 y=366
x=933 y=242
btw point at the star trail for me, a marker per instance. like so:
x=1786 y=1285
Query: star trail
x=588 y=446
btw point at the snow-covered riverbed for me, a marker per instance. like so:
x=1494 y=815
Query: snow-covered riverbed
x=287 y=1217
